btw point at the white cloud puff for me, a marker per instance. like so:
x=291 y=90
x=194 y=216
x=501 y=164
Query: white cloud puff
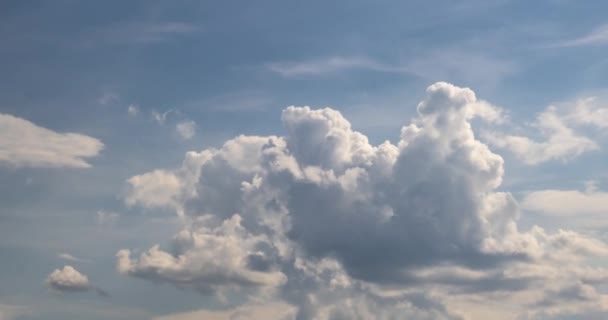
x=68 y=279
x=343 y=229
x=24 y=144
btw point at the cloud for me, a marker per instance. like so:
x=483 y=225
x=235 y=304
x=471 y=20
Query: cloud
x=186 y=129
x=70 y=257
x=107 y=217
x=470 y=67
x=24 y=144
x=108 y=98
x=567 y=202
x=140 y=33
x=207 y=260
x=156 y=189
x=561 y=142
x=589 y=111
x=133 y=110
x=68 y=279
x=598 y=36
x=328 y=66
x=160 y=118
x=323 y=220
x=279 y=311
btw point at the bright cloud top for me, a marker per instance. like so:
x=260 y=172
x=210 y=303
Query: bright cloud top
x=339 y=228
x=24 y=144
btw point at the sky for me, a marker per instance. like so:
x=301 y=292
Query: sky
x=301 y=160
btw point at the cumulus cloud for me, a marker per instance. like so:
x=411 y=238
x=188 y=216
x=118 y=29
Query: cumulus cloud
x=68 y=279
x=339 y=228
x=186 y=129
x=24 y=144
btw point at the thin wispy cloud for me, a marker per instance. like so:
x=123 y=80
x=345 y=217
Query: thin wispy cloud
x=330 y=65
x=69 y=257
x=598 y=36
x=453 y=64
x=141 y=32
x=107 y=98
x=161 y=117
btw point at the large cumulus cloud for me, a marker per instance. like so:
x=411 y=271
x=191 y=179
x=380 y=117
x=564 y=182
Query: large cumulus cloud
x=342 y=228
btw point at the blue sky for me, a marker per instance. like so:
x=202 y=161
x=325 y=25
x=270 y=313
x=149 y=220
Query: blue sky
x=100 y=102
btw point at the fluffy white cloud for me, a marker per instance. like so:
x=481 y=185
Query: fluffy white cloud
x=68 y=279
x=186 y=129
x=343 y=229
x=23 y=143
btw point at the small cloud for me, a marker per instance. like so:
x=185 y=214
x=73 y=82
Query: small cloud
x=133 y=110
x=70 y=257
x=108 y=98
x=24 y=144
x=186 y=129
x=107 y=217
x=68 y=279
x=160 y=118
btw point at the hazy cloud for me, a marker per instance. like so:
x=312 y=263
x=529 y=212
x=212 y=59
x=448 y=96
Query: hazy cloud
x=70 y=257
x=598 y=36
x=186 y=129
